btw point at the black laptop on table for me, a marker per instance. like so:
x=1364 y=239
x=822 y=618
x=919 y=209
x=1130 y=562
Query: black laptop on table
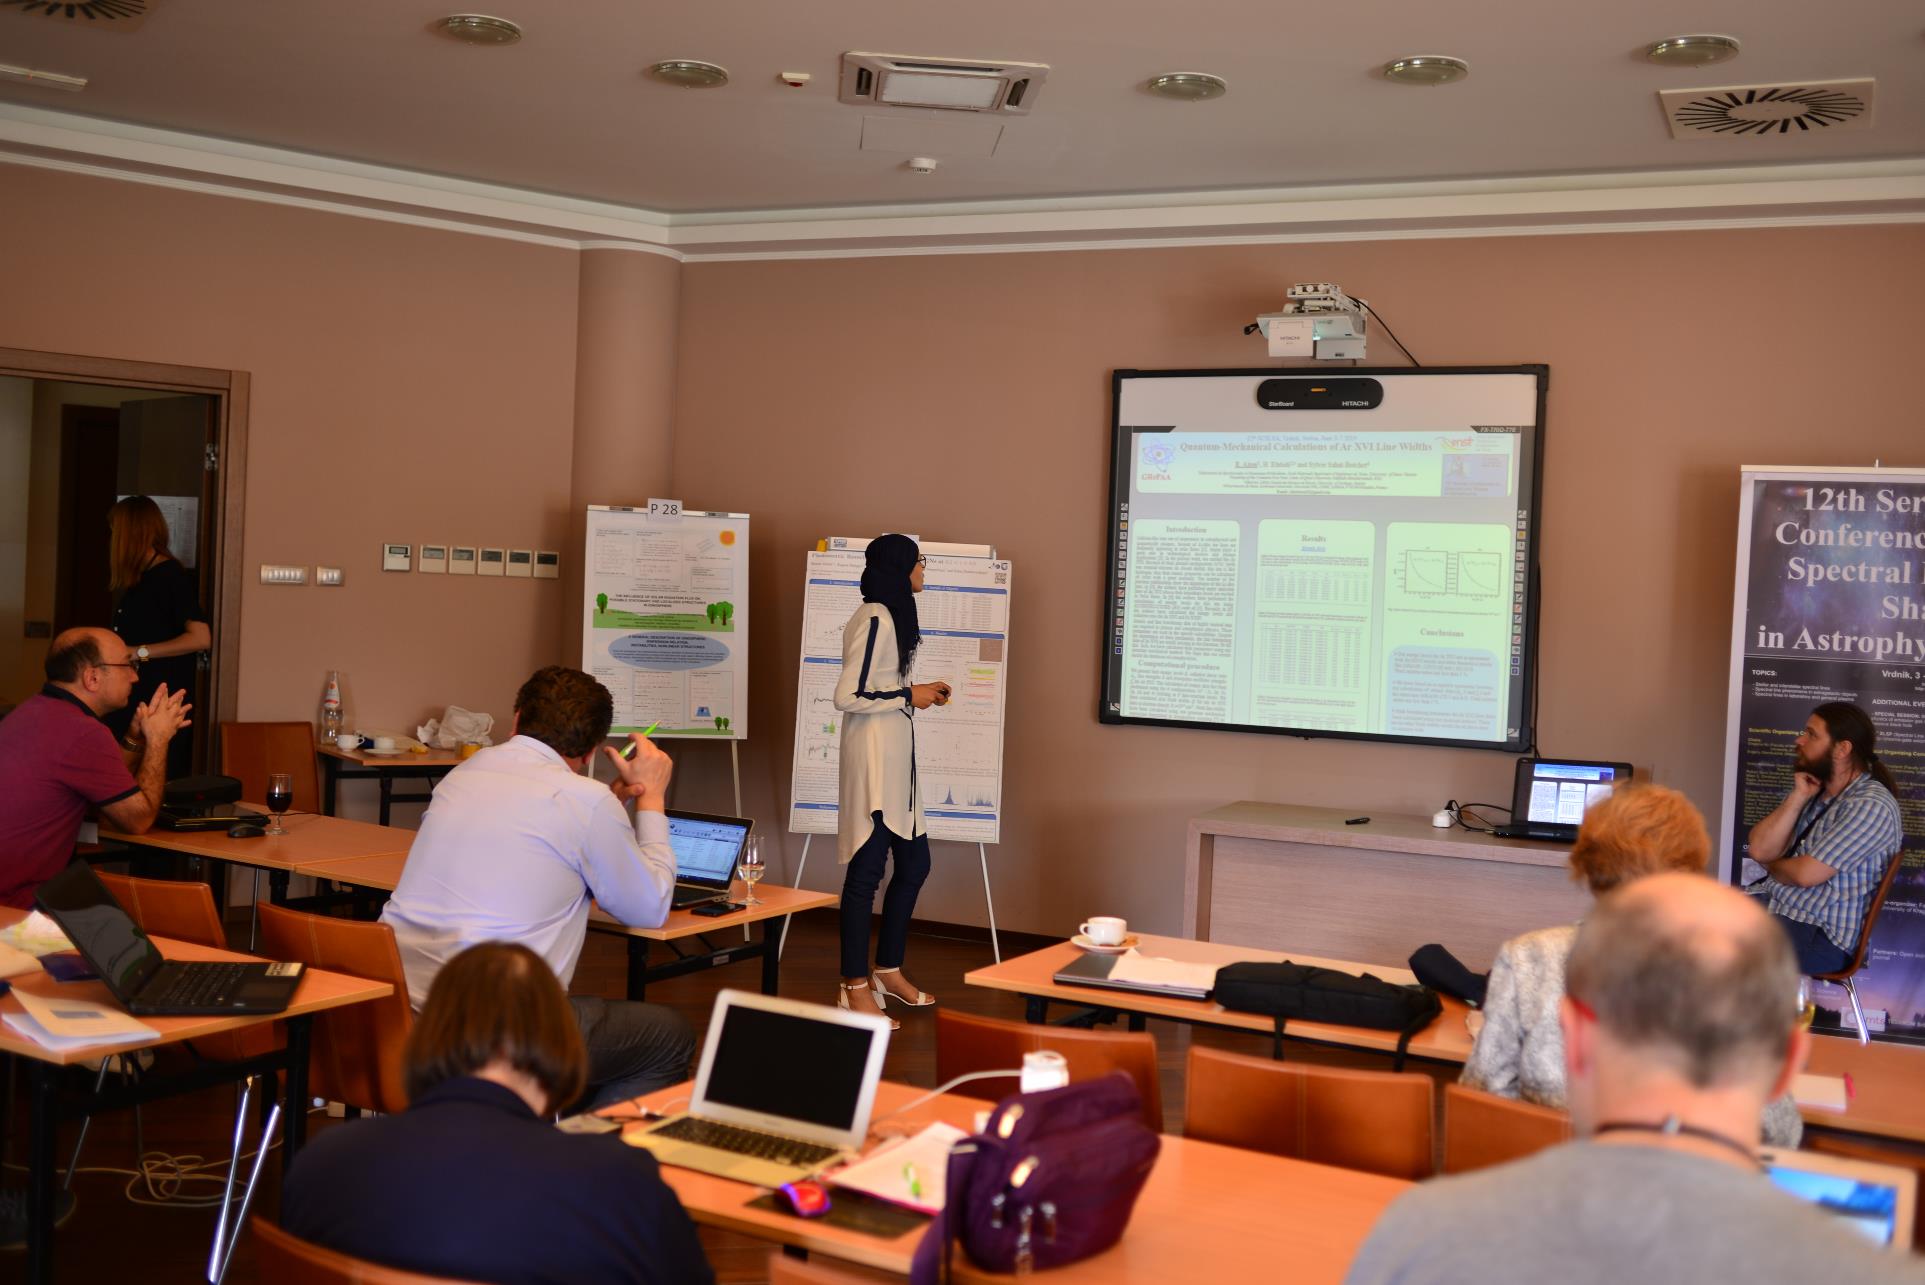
x=1552 y=795
x=705 y=851
x=146 y=984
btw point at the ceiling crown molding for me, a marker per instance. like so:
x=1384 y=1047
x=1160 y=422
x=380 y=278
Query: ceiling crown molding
x=1890 y=191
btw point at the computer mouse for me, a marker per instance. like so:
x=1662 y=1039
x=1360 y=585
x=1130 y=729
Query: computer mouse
x=246 y=830
x=806 y=1199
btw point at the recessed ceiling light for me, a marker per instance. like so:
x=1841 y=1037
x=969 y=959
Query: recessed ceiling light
x=480 y=29
x=1426 y=69
x=41 y=79
x=1692 y=51
x=690 y=73
x=1188 y=86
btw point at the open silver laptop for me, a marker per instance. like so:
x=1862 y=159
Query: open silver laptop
x=1875 y=1201
x=784 y=1090
x=706 y=848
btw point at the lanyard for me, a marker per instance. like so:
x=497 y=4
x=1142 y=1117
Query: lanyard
x=1672 y=1127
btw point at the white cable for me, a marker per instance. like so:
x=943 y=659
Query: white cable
x=944 y=1088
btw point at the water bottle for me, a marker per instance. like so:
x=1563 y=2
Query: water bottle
x=331 y=708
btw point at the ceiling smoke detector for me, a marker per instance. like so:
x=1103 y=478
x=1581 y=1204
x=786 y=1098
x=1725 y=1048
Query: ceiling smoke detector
x=118 y=15
x=1769 y=111
x=950 y=84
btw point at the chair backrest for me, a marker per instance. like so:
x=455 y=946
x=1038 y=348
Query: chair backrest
x=1482 y=1129
x=1876 y=904
x=288 y=1260
x=168 y=908
x=1377 y=1121
x=249 y=751
x=357 y=1049
x=784 y=1270
x=966 y=1042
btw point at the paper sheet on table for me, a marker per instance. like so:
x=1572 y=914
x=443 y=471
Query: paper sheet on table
x=1170 y=974
x=1820 y=1092
x=887 y=1172
x=14 y=962
x=61 y=1024
x=36 y=934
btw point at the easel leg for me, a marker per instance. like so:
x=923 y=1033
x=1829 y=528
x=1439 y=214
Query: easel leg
x=800 y=866
x=989 y=899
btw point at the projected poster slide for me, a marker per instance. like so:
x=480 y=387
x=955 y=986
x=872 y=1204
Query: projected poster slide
x=666 y=617
x=1829 y=608
x=1358 y=570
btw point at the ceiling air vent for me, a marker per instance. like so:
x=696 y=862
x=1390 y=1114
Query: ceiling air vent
x=116 y=15
x=951 y=84
x=1769 y=111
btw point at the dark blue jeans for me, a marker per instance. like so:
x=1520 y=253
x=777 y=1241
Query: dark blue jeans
x=898 y=904
x=633 y=1048
x=1816 y=952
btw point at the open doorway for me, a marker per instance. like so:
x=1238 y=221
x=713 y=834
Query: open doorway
x=76 y=435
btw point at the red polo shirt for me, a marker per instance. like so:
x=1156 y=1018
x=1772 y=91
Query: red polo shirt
x=56 y=761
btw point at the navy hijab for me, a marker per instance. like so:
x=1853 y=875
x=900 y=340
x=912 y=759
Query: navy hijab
x=888 y=562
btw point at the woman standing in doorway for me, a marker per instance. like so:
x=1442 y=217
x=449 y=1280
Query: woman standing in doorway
x=881 y=804
x=158 y=614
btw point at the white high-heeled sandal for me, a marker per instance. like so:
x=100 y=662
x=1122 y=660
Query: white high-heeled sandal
x=842 y=1001
x=923 y=998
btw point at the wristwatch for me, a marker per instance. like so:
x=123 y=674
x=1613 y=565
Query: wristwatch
x=140 y=652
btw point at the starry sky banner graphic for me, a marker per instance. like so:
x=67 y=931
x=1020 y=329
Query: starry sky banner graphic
x=1830 y=606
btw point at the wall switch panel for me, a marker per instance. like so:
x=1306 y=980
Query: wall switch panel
x=493 y=562
x=271 y=574
x=547 y=565
x=397 y=557
x=434 y=559
x=327 y=575
x=461 y=560
x=521 y=563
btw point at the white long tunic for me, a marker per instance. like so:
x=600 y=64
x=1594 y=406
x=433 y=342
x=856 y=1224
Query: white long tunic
x=878 y=734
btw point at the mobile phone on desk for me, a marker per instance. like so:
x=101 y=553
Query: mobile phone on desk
x=716 y=909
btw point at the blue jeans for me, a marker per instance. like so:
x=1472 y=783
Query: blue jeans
x=633 y=1048
x=1817 y=953
x=898 y=904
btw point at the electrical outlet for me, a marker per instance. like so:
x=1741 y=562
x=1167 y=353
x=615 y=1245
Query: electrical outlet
x=272 y=574
x=461 y=560
x=492 y=563
x=520 y=563
x=327 y=575
x=547 y=565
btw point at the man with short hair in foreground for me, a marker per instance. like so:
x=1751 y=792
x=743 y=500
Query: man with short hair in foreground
x=1680 y=1023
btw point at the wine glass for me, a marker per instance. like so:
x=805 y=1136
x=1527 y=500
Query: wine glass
x=280 y=793
x=750 y=866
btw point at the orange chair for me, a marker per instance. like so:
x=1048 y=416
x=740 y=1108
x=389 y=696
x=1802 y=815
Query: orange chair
x=357 y=1049
x=289 y=1260
x=966 y=1043
x=1377 y=1121
x=1846 y=975
x=1482 y=1129
x=250 y=751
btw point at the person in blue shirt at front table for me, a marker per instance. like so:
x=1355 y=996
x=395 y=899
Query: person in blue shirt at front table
x=1827 y=845
x=472 y=1181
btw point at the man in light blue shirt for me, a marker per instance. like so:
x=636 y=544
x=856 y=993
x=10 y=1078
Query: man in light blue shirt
x=517 y=842
x=1828 y=844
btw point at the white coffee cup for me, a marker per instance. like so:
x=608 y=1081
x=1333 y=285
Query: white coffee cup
x=1106 y=930
x=384 y=743
x=348 y=741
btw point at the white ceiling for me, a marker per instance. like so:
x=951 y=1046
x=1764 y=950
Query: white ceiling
x=1555 y=90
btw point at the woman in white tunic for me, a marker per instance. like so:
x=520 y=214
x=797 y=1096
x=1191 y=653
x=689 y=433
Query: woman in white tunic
x=881 y=805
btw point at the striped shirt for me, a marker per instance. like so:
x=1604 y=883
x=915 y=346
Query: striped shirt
x=1852 y=833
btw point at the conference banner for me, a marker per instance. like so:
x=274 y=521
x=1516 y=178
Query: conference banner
x=1829 y=605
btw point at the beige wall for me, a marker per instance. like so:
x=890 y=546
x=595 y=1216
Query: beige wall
x=16 y=459
x=967 y=397
x=408 y=384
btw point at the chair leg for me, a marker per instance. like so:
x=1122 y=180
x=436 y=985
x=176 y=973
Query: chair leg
x=247 y=1194
x=217 y=1252
x=1851 y=989
x=73 y=1162
x=254 y=913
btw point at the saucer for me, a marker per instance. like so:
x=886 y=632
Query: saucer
x=1083 y=943
x=369 y=749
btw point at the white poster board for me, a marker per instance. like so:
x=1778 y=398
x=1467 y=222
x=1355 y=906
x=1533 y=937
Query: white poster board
x=665 y=619
x=964 y=614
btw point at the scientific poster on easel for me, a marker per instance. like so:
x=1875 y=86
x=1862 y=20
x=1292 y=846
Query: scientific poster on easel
x=964 y=614
x=665 y=624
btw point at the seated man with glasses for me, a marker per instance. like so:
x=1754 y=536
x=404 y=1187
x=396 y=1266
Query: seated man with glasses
x=58 y=759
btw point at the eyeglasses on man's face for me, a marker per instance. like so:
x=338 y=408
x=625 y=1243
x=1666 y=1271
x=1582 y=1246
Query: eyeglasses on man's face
x=133 y=664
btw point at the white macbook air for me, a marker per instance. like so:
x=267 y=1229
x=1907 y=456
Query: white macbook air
x=1873 y=1200
x=784 y=1090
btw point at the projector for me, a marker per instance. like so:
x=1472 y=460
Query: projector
x=1318 y=320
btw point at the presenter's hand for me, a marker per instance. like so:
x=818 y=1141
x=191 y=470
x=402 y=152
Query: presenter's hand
x=923 y=695
x=643 y=778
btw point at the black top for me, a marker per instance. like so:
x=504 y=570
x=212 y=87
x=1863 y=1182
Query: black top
x=469 y=1183
x=156 y=608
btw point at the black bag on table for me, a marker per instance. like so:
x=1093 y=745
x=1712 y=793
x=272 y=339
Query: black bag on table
x=1303 y=993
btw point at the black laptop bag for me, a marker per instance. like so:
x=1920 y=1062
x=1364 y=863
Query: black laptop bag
x=1297 y=992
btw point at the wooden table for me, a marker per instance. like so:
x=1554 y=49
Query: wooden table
x=1032 y=976
x=318 y=992
x=339 y=765
x=309 y=841
x=1888 y=1086
x=1208 y=1212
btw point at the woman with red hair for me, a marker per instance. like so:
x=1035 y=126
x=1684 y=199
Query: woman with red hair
x=157 y=613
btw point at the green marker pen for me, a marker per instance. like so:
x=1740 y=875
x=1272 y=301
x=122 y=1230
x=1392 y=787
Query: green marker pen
x=629 y=752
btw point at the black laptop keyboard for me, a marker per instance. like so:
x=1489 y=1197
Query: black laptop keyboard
x=746 y=1142
x=202 y=986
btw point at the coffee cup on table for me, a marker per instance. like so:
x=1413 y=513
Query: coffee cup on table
x=348 y=740
x=383 y=743
x=1106 y=930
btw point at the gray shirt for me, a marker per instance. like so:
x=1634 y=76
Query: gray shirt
x=1609 y=1213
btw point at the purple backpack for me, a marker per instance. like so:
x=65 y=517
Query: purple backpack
x=1050 y=1180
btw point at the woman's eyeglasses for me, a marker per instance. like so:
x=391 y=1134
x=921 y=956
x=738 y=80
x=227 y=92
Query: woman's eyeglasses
x=922 y=559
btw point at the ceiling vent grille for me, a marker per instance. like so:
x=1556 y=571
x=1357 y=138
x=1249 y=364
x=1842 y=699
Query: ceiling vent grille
x=1769 y=111
x=947 y=84
x=117 y=15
